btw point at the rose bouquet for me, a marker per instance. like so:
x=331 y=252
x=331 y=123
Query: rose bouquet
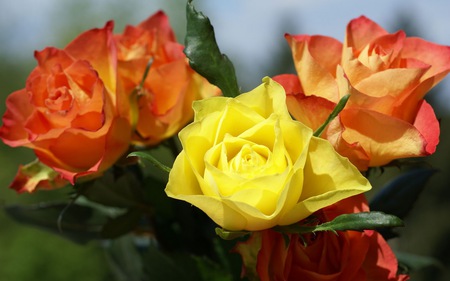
x=270 y=184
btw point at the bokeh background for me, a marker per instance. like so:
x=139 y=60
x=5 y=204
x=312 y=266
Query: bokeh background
x=251 y=34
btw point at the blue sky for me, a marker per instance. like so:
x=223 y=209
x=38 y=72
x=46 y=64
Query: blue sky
x=247 y=30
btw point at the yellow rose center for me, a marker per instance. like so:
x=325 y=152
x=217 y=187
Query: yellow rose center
x=249 y=160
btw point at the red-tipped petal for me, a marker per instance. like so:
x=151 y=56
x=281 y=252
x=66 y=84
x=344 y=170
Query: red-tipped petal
x=428 y=125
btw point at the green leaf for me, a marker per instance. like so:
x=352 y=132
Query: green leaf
x=230 y=235
x=120 y=189
x=339 y=107
x=399 y=195
x=149 y=157
x=76 y=224
x=355 y=221
x=204 y=55
x=361 y=221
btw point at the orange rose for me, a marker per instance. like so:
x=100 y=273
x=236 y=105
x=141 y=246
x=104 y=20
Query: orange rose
x=387 y=76
x=68 y=112
x=165 y=102
x=348 y=256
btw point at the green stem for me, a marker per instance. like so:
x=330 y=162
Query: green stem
x=339 y=107
x=152 y=160
x=61 y=215
x=147 y=70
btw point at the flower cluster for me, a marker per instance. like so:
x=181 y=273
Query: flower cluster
x=250 y=166
x=83 y=106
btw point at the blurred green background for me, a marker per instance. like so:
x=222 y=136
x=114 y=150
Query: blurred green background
x=28 y=254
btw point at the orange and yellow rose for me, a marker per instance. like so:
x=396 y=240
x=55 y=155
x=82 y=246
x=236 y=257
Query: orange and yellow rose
x=84 y=105
x=249 y=166
x=69 y=111
x=387 y=75
x=345 y=256
x=165 y=100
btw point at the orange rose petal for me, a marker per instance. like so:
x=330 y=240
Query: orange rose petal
x=353 y=151
x=198 y=88
x=388 y=46
x=290 y=83
x=391 y=82
x=380 y=263
x=360 y=32
x=18 y=108
x=271 y=261
x=313 y=73
x=159 y=22
x=354 y=70
x=354 y=204
x=325 y=50
x=428 y=125
x=390 y=92
x=383 y=52
x=35 y=176
x=50 y=57
x=78 y=156
x=383 y=138
x=117 y=141
x=37 y=124
x=97 y=47
x=91 y=121
x=165 y=104
x=437 y=56
x=166 y=84
x=86 y=85
x=310 y=110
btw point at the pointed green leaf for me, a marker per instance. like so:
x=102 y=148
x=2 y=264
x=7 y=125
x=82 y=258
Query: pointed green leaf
x=204 y=55
x=361 y=221
x=399 y=195
x=355 y=221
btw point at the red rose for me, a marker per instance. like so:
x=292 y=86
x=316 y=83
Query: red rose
x=347 y=256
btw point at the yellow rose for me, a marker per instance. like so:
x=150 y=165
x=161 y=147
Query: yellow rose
x=249 y=166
